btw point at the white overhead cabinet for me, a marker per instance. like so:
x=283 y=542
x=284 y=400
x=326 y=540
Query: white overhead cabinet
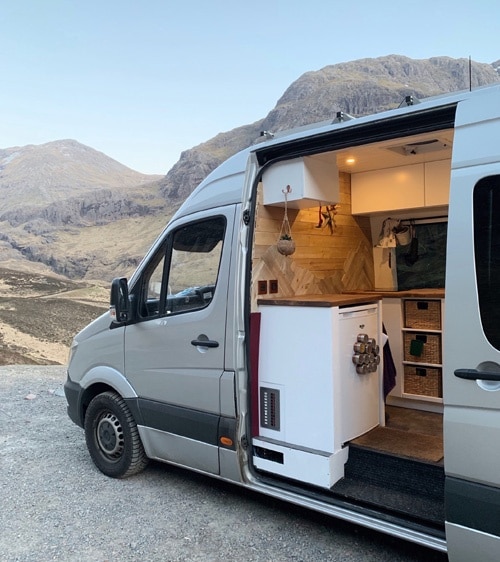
x=312 y=180
x=437 y=183
x=400 y=188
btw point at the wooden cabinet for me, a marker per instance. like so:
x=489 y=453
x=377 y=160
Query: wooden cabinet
x=400 y=188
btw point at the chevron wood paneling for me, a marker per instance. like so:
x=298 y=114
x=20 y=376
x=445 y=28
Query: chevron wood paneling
x=324 y=262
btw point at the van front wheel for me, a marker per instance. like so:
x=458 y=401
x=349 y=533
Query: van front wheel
x=112 y=437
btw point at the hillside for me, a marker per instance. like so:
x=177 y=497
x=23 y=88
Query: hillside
x=64 y=207
x=39 y=315
x=40 y=175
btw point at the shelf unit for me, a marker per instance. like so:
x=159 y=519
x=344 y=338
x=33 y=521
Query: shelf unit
x=419 y=376
x=421 y=336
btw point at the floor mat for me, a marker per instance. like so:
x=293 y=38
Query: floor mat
x=414 y=421
x=397 y=442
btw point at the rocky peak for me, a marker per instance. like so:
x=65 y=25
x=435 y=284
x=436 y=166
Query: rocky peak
x=359 y=87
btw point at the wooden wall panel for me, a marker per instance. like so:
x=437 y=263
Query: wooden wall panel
x=323 y=262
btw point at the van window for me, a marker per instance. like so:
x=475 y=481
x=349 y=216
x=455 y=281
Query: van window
x=192 y=254
x=487 y=254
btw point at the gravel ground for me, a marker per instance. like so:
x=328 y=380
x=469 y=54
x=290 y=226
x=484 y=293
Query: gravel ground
x=55 y=505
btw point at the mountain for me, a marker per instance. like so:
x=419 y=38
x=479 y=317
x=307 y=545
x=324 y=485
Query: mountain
x=68 y=209
x=42 y=174
x=359 y=87
x=65 y=182
x=52 y=193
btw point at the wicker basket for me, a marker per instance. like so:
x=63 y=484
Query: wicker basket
x=423 y=315
x=430 y=345
x=286 y=247
x=423 y=381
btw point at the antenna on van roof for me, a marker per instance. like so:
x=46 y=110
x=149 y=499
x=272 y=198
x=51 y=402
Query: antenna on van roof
x=470 y=74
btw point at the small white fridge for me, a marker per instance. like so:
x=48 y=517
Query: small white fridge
x=312 y=397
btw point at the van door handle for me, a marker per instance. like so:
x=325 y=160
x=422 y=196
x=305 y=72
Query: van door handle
x=204 y=343
x=474 y=375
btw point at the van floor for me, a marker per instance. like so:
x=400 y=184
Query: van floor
x=399 y=468
x=409 y=433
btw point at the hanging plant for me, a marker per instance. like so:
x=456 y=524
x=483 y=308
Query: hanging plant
x=285 y=244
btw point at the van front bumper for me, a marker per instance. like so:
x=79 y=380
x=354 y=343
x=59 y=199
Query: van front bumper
x=73 y=391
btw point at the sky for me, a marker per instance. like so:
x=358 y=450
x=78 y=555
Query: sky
x=144 y=80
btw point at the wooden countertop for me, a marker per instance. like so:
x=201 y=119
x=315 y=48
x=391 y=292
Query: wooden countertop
x=412 y=293
x=322 y=300
x=354 y=298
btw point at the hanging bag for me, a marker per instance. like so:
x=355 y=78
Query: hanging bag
x=403 y=234
x=411 y=257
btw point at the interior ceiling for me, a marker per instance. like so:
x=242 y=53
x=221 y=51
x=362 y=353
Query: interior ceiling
x=397 y=152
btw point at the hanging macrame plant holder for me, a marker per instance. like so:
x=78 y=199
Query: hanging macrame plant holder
x=285 y=244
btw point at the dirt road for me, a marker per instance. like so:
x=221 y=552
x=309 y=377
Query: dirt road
x=55 y=505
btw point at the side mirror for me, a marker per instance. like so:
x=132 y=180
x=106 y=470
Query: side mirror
x=119 y=307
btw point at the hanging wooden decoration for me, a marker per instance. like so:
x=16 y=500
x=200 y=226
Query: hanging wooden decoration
x=285 y=244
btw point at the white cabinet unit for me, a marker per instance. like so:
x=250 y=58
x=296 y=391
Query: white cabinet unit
x=312 y=180
x=437 y=183
x=387 y=190
x=312 y=399
x=401 y=188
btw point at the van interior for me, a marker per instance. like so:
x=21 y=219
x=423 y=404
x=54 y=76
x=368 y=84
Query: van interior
x=350 y=326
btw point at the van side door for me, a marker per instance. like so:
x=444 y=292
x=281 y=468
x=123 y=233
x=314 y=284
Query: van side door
x=174 y=351
x=472 y=334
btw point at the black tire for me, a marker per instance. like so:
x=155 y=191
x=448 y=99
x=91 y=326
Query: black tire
x=112 y=437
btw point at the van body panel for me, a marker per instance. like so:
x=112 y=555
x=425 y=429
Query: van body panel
x=473 y=505
x=465 y=545
x=160 y=359
x=476 y=129
x=185 y=422
x=228 y=395
x=183 y=386
x=472 y=407
x=96 y=347
x=221 y=187
x=468 y=431
x=111 y=377
x=229 y=465
x=170 y=447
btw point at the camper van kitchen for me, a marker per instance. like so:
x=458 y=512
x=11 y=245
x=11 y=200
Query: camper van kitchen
x=318 y=323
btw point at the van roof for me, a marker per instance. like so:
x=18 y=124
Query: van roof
x=224 y=185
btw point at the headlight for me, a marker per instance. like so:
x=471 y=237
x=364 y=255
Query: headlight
x=72 y=351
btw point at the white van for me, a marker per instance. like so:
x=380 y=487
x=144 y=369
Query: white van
x=355 y=372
